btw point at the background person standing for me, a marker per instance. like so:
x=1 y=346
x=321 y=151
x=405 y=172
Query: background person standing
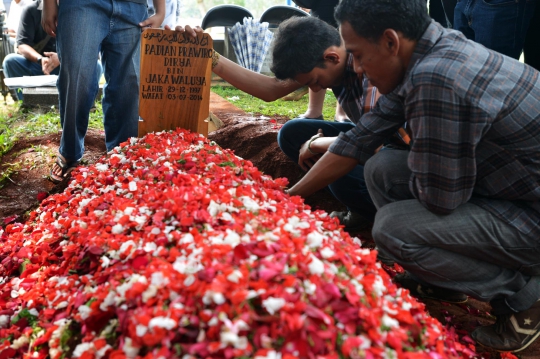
x=84 y=29
x=499 y=25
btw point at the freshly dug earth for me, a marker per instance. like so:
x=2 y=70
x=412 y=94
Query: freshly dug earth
x=252 y=137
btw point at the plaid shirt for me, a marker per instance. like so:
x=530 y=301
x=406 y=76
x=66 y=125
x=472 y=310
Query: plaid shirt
x=474 y=119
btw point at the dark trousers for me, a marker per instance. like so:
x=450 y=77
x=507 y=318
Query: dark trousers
x=532 y=41
x=442 y=11
x=470 y=250
x=499 y=25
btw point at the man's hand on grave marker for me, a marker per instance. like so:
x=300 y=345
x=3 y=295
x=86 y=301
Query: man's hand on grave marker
x=193 y=31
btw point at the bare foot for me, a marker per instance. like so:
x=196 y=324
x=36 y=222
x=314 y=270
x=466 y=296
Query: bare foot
x=56 y=170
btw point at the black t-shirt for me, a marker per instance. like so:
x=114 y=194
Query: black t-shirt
x=30 y=31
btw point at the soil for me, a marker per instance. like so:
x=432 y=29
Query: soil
x=252 y=137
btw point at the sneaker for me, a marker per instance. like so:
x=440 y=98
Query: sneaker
x=351 y=220
x=429 y=291
x=511 y=333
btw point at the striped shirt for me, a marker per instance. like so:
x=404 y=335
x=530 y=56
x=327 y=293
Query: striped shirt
x=474 y=120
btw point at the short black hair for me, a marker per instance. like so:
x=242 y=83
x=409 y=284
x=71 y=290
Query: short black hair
x=370 y=18
x=299 y=45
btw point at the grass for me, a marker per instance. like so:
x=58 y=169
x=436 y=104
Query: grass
x=290 y=109
x=8 y=170
x=18 y=122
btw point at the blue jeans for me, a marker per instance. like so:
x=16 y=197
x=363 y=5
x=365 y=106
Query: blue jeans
x=16 y=65
x=469 y=251
x=350 y=189
x=86 y=29
x=499 y=25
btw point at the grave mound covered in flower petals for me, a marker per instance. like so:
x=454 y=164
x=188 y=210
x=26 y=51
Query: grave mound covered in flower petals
x=172 y=247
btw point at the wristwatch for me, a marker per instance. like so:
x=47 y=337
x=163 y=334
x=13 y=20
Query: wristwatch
x=39 y=58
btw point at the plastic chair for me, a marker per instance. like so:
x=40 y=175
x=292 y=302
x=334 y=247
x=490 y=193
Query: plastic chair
x=275 y=15
x=227 y=16
x=224 y=15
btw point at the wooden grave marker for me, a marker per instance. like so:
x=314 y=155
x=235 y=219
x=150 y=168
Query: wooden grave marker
x=174 y=81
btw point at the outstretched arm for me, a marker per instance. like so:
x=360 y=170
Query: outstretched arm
x=266 y=88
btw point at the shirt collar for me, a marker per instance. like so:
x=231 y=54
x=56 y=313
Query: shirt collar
x=431 y=36
x=424 y=45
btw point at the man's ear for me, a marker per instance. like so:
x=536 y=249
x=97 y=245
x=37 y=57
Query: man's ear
x=332 y=55
x=390 y=41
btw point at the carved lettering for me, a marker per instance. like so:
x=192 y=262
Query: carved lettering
x=157 y=79
x=152 y=88
x=174 y=81
x=152 y=96
x=194 y=52
x=160 y=50
x=176 y=37
x=176 y=62
x=188 y=80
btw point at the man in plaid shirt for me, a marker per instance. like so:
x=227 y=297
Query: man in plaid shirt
x=460 y=210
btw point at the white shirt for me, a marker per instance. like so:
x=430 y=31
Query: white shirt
x=14 y=16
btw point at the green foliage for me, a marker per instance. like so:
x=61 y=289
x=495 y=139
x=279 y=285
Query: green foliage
x=6 y=134
x=37 y=124
x=8 y=170
x=225 y=164
x=25 y=313
x=6 y=141
x=280 y=107
x=96 y=117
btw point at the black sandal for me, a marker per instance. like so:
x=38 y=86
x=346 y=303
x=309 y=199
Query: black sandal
x=66 y=168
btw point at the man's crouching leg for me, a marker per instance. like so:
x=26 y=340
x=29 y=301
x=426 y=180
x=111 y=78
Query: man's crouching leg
x=469 y=251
